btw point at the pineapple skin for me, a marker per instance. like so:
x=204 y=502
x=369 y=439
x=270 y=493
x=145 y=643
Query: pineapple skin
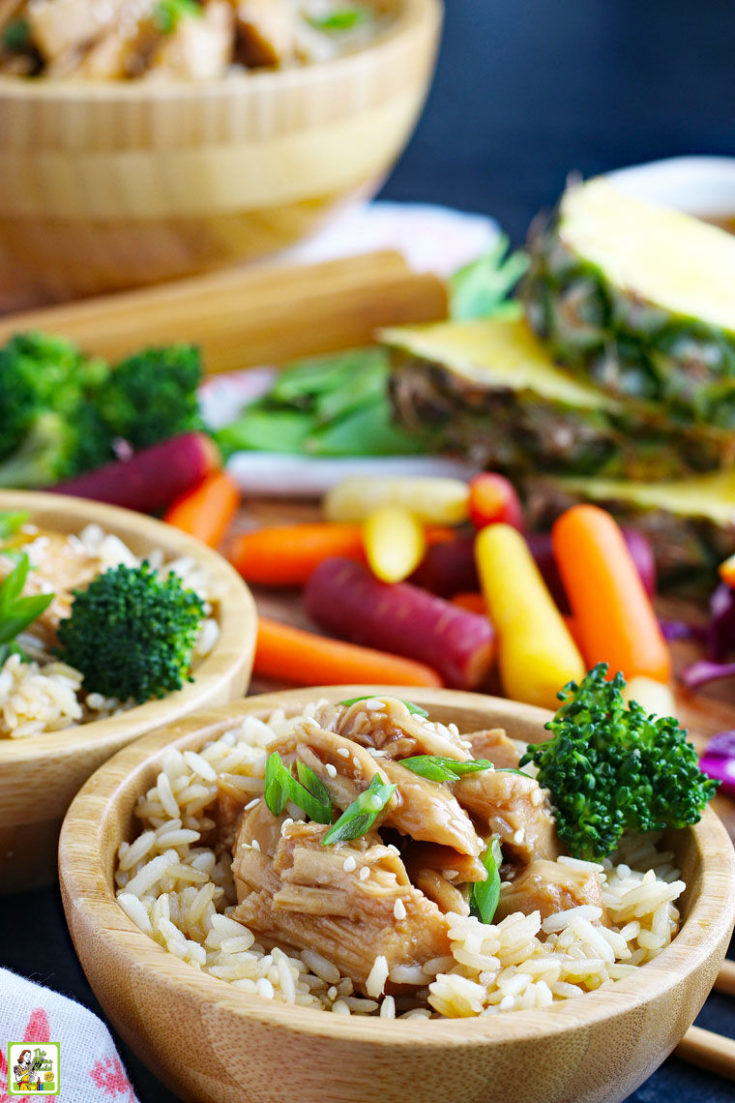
x=687 y=549
x=630 y=348
x=520 y=433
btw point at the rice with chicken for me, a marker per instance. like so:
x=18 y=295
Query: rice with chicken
x=46 y=695
x=381 y=924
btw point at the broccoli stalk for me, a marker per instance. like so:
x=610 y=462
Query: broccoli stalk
x=610 y=768
x=152 y=395
x=132 y=633
x=57 y=447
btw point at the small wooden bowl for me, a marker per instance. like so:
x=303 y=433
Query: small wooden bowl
x=214 y=1044
x=40 y=774
x=107 y=186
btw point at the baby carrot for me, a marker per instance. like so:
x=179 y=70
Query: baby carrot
x=614 y=618
x=289 y=654
x=395 y=542
x=536 y=654
x=208 y=510
x=472 y=602
x=286 y=555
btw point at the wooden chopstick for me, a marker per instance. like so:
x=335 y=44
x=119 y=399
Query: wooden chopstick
x=708 y=1050
x=251 y=315
x=726 y=978
x=705 y=1048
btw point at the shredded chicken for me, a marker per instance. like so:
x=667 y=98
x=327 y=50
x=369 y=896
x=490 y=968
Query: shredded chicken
x=295 y=893
x=390 y=729
x=496 y=747
x=266 y=33
x=197 y=49
x=551 y=887
x=514 y=807
x=440 y=873
x=419 y=808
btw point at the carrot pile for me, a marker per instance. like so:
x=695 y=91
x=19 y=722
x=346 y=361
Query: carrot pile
x=429 y=581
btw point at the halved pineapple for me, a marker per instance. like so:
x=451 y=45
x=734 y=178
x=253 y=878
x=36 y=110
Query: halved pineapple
x=640 y=300
x=690 y=522
x=488 y=389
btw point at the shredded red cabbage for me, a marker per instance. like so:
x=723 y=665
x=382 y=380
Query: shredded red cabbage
x=721 y=629
x=703 y=671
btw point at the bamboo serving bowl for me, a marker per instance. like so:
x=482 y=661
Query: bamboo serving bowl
x=114 y=185
x=212 y=1043
x=40 y=774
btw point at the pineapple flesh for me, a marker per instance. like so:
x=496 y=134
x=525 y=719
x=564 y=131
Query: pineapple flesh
x=488 y=390
x=640 y=301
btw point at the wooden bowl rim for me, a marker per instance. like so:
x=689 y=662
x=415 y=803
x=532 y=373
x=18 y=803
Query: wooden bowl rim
x=237 y=619
x=86 y=887
x=414 y=15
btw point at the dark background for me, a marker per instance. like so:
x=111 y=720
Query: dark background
x=526 y=91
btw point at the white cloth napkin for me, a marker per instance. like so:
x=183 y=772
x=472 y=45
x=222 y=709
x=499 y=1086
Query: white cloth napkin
x=431 y=238
x=90 y=1069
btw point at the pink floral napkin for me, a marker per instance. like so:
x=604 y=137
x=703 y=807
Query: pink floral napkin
x=90 y=1069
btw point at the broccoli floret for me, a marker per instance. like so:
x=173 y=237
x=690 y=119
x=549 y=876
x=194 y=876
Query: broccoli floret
x=37 y=373
x=153 y=395
x=131 y=633
x=58 y=447
x=610 y=768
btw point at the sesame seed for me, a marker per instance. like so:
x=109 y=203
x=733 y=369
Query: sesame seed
x=349 y=864
x=394 y=849
x=286 y=824
x=356 y=762
x=255 y=844
x=251 y=804
x=399 y=909
x=343 y=751
x=364 y=873
x=331 y=770
x=519 y=836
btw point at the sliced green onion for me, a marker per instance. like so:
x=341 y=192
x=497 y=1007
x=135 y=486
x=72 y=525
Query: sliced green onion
x=510 y=770
x=10 y=521
x=17 y=612
x=339 y=20
x=359 y=817
x=309 y=793
x=485 y=894
x=437 y=768
x=415 y=710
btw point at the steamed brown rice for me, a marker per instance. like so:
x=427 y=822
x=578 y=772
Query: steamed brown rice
x=180 y=893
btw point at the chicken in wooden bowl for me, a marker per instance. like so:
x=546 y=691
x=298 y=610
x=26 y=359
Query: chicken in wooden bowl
x=353 y=852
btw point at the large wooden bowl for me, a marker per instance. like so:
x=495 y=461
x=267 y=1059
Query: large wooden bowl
x=40 y=774
x=106 y=186
x=214 y=1044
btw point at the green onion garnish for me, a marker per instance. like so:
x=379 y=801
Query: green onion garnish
x=10 y=522
x=415 y=710
x=436 y=768
x=485 y=894
x=309 y=793
x=339 y=20
x=17 y=612
x=359 y=817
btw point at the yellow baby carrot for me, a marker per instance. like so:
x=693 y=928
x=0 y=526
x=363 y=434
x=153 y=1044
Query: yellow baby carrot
x=536 y=653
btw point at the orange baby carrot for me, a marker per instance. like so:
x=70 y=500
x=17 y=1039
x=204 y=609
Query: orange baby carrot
x=208 y=510
x=473 y=603
x=286 y=555
x=613 y=616
x=289 y=654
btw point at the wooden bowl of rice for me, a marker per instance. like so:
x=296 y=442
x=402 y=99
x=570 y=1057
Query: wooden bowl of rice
x=39 y=774
x=219 y=1042
x=116 y=184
